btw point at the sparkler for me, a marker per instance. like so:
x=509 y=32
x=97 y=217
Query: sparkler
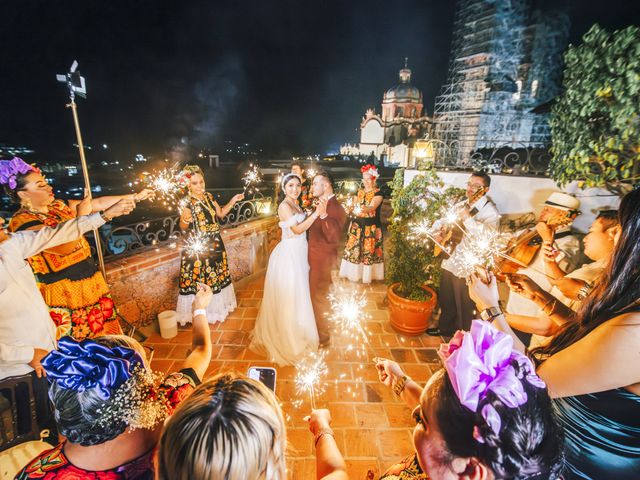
x=311 y=172
x=251 y=179
x=352 y=207
x=479 y=250
x=309 y=373
x=196 y=244
x=349 y=317
x=168 y=185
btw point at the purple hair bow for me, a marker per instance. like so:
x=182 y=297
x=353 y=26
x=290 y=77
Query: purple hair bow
x=480 y=361
x=9 y=169
x=84 y=365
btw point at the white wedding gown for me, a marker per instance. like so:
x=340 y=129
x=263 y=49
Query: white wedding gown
x=286 y=328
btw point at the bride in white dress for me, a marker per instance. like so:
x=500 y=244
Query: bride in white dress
x=285 y=327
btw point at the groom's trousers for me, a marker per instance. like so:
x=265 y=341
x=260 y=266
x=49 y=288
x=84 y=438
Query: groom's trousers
x=319 y=284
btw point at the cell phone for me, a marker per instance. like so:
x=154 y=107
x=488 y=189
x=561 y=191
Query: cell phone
x=266 y=375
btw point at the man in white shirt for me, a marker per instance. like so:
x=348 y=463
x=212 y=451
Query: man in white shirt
x=27 y=332
x=457 y=309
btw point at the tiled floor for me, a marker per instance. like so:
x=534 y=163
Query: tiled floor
x=373 y=428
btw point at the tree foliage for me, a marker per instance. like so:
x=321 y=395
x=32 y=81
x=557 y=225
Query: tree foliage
x=595 y=123
x=412 y=263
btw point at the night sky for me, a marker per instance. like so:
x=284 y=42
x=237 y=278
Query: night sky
x=287 y=76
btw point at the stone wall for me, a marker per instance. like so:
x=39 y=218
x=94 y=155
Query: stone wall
x=146 y=283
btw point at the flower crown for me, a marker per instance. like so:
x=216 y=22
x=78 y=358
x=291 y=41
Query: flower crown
x=371 y=170
x=10 y=169
x=117 y=374
x=480 y=361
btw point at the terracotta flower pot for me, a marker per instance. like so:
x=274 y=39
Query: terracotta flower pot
x=410 y=317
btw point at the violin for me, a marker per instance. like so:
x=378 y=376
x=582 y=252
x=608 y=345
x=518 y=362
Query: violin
x=526 y=246
x=453 y=234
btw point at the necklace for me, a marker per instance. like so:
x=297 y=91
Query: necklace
x=206 y=204
x=296 y=207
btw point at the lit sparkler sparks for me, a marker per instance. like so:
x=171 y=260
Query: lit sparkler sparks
x=251 y=179
x=309 y=374
x=479 y=249
x=352 y=207
x=311 y=172
x=349 y=317
x=168 y=185
x=197 y=244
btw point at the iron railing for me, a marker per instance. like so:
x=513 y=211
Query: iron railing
x=124 y=239
x=508 y=157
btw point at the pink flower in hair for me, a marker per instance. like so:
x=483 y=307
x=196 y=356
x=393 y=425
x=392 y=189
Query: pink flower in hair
x=480 y=361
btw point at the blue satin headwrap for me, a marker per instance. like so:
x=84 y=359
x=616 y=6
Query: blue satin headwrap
x=84 y=365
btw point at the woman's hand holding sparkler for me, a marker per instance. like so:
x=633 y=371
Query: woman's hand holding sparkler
x=523 y=285
x=389 y=372
x=143 y=194
x=319 y=420
x=203 y=297
x=483 y=291
x=186 y=216
x=237 y=198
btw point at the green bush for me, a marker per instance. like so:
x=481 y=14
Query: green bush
x=412 y=263
x=595 y=124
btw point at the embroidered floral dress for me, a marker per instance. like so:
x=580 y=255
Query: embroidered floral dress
x=73 y=287
x=407 y=469
x=362 y=260
x=305 y=200
x=54 y=465
x=209 y=267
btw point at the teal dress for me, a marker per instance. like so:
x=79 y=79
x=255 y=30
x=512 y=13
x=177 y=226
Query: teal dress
x=602 y=435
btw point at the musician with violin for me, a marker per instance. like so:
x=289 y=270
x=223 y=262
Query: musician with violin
x=568 y=290
x=553 y=230
x=457 y=309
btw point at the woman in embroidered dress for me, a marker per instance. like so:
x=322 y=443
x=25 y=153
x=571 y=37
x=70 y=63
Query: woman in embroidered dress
x=484 y=415
x=362 y=259
x=210 y=267
x=72 y=285
x=110 y=406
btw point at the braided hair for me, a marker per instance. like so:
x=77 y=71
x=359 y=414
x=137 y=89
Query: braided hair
x=529 y=445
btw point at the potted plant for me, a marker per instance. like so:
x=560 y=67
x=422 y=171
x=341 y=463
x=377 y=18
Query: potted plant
x=413 y=269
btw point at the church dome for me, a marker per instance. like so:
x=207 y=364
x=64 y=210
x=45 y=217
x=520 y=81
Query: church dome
x=404 y=92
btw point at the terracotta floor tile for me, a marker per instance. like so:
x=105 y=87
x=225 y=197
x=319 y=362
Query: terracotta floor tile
x=160 y=350
x=394 y=443
x=301 y=469
x=165 y=365
x=371 y=415
x=403 y=355
x=362 y=469
x=180 y=352
x=301 y=442
x=232 y=338
x=250 y=312
x=231 y=324
x=379 y=393
x=343 y=415
x=249 y=302
x=230 y=352
x=359 y=443
x=399 y=415
x=427 y=355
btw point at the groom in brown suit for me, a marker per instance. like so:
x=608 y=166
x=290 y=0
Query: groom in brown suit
x=323 y=238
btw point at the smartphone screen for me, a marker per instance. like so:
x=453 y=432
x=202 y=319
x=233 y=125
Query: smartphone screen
x=266 y=375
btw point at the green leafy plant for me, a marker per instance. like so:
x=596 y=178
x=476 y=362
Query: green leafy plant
x=595 y=123
x=412 y=263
